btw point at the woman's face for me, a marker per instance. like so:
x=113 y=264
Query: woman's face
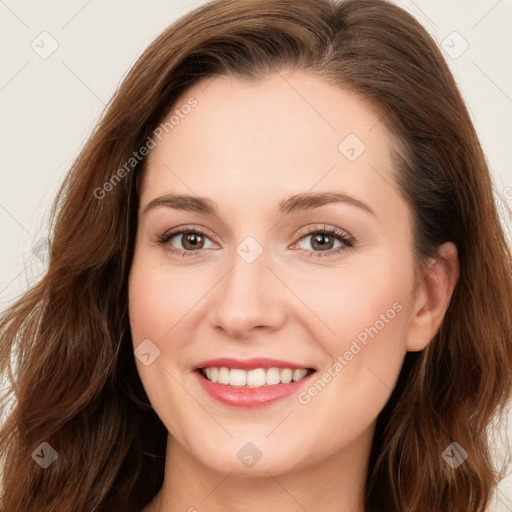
x=285 y=248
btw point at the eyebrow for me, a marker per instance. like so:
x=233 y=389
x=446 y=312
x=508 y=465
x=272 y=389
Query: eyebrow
x=297 y=202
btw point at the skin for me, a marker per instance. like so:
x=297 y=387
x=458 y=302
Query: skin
x=247 y=147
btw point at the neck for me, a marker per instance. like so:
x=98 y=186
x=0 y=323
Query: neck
x=336 y=484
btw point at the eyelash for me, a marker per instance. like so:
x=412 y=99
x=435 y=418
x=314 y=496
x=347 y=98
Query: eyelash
x=347 y=241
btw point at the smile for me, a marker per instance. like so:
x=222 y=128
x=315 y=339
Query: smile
x=256 y=378
x=251 y=383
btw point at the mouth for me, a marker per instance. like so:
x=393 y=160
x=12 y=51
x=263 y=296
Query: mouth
x=252 y=383
x=256 y=378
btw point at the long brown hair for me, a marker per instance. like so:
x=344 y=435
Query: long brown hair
x=74 y=383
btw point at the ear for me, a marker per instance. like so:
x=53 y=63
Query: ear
x=432 y=297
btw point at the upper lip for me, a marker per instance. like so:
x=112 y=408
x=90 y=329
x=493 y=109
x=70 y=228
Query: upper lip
x=249 y=364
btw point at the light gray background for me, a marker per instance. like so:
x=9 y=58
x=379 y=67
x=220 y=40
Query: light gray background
x=49 y=105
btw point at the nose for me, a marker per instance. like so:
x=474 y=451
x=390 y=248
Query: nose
x=249 y=299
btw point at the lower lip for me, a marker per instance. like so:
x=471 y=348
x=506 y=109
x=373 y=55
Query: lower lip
x=250 y=397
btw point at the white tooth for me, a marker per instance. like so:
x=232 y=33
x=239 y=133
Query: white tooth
x=223 y=376
x=273 y=376
x=286 y=375
x=256 y=378
x=299 y=374
x=237 y=377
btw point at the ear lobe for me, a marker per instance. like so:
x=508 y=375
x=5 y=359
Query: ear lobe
x=432 y=297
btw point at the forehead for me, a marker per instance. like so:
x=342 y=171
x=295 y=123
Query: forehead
x=288 y=133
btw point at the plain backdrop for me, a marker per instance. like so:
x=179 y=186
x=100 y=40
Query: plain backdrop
x=62 y=60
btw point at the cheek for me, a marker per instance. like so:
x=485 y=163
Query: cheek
x=159 y=299
x=369 y=349
x=365 y=315
x=153 y=311
x=152 y=316
x=360 y=301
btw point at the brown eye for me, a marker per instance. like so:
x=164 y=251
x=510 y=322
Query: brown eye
x=325 y=242
x=192 y=241
x=185 y=242
x=322 y=242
